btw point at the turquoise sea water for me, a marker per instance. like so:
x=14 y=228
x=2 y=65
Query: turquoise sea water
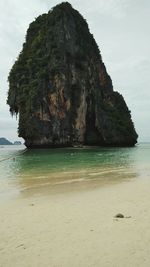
x=23 y=170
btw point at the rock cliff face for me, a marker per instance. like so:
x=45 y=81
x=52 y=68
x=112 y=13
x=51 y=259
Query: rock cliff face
x=60 y=87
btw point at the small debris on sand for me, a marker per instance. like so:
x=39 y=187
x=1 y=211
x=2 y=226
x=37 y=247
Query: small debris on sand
x=119 y=215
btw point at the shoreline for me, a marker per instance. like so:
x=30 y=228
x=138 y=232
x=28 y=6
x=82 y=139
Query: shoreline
x=78 y=228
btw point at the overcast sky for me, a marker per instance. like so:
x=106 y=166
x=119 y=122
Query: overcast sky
x=121 y=29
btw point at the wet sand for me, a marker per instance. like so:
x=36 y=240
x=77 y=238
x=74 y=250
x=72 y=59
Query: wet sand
x=77 y=228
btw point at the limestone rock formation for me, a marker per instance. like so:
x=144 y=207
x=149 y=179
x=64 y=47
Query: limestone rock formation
x=60 y=87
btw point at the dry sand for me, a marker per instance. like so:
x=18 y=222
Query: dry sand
x=78 y=228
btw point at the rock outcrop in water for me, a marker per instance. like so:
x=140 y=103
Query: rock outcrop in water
x=4 y=141
x=60 y=87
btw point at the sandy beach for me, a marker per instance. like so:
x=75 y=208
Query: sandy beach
x=78 y=228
